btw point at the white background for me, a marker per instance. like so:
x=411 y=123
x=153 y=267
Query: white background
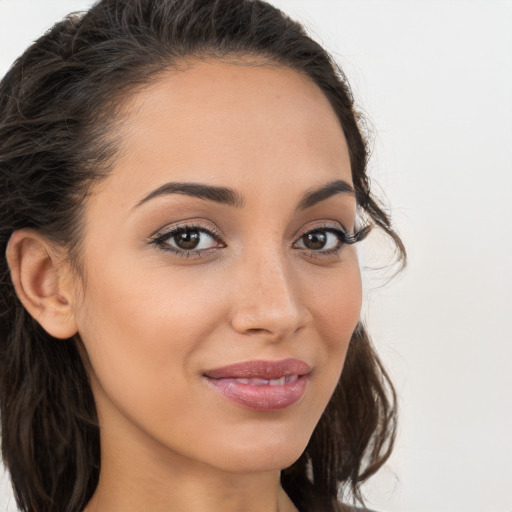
x=435 y=79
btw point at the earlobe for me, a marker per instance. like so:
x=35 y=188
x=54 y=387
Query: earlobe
x=40 y=280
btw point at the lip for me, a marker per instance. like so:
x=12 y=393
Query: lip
x=261 y=386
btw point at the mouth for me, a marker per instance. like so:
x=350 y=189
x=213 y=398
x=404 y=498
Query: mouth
x=262 y=386
x=256 y=381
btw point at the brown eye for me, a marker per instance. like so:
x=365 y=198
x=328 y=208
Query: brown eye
x=315 y=240
x=322 y=240
x=187 y=239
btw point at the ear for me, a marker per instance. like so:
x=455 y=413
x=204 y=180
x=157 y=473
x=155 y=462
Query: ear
x=43 y=282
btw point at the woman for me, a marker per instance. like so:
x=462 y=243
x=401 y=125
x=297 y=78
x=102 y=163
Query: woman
x=184 y=185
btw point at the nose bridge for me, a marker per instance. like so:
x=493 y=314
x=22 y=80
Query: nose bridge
x=269 y=299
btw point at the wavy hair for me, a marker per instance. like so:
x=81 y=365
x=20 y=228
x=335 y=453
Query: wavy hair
x=59 y=103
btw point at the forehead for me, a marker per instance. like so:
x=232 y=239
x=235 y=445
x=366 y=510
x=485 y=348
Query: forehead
x=241 y=124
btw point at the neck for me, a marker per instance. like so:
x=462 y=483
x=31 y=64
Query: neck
x=164 y=481
x=134 y=491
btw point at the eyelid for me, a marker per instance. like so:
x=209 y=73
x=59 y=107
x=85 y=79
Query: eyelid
x=345 y=237
x=318 y=226
x=199 y=224
x=336 y=230
x=349 y=237
x=158 y=238
x=335 y=225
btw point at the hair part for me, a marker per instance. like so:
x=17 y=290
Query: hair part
x=60 y=103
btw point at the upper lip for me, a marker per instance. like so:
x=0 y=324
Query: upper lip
x=260 y=369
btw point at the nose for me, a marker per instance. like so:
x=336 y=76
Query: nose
x=267 y=300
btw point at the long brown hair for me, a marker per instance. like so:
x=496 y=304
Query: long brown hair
x=58 y=107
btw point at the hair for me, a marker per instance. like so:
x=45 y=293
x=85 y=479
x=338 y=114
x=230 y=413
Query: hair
x=58 y=105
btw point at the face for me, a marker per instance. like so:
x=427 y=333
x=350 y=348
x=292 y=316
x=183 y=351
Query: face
x=220 y=289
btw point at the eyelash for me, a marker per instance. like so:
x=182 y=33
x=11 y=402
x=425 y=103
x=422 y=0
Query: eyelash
x=159 y=240
x=344 y=238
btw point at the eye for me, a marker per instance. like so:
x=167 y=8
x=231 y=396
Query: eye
x=325 y=240
x=187 y=240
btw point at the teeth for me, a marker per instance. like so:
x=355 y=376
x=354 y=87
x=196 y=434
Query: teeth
x=268 y=382
x=258 y=382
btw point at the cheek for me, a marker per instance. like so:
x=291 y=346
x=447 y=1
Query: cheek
x=336 y=304
x=141 y=350
x=145 y=332
x=336 y=307
x=140 y=334
x=135 y=322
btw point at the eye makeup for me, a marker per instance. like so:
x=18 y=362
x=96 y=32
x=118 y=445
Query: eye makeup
x=328 y=240
x=188 y=240
x=194 y=240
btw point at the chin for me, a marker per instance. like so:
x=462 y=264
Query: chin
x=262 y=453
x=259 y=463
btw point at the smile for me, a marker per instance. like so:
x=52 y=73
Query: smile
x=267 y=382
x=261 y=386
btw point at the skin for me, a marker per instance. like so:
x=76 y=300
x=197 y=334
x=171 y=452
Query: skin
x=152 y=321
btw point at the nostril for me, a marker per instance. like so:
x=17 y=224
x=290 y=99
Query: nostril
x=268 y=307
x=257 y=330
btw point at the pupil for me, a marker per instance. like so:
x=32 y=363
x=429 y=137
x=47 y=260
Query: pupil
x=187 y=239
x=315 y=240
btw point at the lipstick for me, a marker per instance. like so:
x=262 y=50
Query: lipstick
x=262 y=386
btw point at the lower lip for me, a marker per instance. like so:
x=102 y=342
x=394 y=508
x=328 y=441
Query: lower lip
x=263 y=398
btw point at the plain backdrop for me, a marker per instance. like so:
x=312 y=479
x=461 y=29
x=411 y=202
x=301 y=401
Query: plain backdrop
x=435 y=80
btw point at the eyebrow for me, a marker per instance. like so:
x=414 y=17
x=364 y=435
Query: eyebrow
x=332 y=188
x=230 y=197
x=221 y=195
